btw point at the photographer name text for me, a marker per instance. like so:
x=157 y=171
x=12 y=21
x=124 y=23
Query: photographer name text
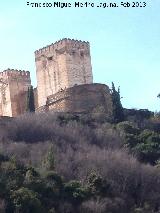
x=125 y=4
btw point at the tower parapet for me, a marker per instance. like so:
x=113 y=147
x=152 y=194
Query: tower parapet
x=14 y=72
x=65 y=44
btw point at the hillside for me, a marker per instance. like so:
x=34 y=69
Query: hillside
x=80 y=163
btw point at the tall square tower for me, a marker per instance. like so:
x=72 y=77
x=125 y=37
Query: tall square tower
x=61 y=65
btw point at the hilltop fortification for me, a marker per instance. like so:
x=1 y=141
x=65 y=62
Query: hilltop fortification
x=64 y=82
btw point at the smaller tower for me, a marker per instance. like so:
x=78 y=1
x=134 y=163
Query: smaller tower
x=13 y=92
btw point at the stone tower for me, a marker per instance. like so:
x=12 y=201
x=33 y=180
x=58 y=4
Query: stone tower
x=62 y=65
x=13 y=90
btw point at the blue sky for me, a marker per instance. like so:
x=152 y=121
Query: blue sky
x=125 y=43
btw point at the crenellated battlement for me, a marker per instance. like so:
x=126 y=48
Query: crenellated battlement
x=13 y=73
x=64 y=43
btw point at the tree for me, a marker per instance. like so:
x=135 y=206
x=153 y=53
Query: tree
x=148 y=148
x=30 y=100
x=98 y=185
x=75 y=193
x=118 y=114
x=26 y=201
x=49 y=160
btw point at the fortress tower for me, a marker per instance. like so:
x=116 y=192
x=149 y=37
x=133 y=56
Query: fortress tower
x=64 y=83
x=62 y=65
x=13 y=90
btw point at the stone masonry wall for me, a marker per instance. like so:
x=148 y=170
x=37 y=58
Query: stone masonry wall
x=5 y=100
x=81 y=98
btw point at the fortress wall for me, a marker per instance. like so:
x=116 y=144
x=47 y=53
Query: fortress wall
x=5 y=94
x=1 y=113
x=41 y=82
x=35 y=97
x=82 y=98
x=79 y=68
x=6 y=101
x=47 y=70
x=19 y=86
x=62 y=76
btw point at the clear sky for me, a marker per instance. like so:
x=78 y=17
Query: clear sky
x=125 y=43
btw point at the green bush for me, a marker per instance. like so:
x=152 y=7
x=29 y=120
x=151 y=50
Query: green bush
x=26 y=201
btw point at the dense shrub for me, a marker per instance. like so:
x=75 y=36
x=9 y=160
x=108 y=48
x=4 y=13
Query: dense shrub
x=75 y=163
